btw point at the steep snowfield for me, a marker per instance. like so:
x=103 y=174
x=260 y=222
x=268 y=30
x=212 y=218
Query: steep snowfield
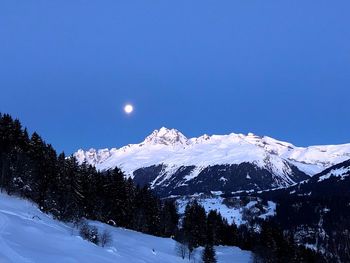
x=29 y=236
x=173 y=149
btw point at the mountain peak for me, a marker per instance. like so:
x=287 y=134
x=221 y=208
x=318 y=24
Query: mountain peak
x=166 y=136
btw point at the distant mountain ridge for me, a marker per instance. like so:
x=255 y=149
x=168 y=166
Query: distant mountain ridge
x=175 y=165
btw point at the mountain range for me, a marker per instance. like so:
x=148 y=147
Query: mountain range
x=173 y=164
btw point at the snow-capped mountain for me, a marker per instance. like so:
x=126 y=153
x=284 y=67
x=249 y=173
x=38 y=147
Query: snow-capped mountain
x=175 y=165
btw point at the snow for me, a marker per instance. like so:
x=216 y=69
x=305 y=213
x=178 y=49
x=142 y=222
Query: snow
x=29 y=236
x=223 y=179
x=172 y=149
x=251 y=204
x=271 y=210
x=193 y=174
x=216 y=193
x=341 y=172
x=311 y=246
x=232 y=213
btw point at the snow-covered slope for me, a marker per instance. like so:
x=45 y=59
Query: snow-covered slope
x=341 y=173
x=233 y=209
x=335 y=173
x=169 y=150
x=29 y=236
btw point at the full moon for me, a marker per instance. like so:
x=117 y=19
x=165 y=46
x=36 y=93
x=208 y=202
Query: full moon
x=128 y=108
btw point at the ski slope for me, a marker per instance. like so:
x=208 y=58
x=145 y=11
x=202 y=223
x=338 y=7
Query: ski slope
x=29 y=236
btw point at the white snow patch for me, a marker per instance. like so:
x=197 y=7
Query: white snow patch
x=193 y=174
x=223 y=179
x=271 y=210
x=216 y=192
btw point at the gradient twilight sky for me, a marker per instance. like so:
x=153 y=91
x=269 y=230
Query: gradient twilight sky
x=277 y=68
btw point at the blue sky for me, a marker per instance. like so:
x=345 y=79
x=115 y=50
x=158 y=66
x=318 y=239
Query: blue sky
x=277 y=68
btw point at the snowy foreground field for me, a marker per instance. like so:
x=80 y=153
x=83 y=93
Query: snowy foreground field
x=29 y=236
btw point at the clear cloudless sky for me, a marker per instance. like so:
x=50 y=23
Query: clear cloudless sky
x=277 y=68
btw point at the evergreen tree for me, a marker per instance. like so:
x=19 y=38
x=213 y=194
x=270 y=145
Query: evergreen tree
x=208 y=255
x=119 y=197
x=129 y=202
x=64 y=192
x=216 y=228
x=169 y=218
x=194 y=225
x=6 y=144
x=71 y=185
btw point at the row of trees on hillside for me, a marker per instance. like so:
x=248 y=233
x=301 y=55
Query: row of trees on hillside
x=265 y=238
x=202 y=229
x=32 y=169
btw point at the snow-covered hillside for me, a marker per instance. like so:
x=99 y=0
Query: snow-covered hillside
x=29 y=236
x=338 y=172
x=170 y=152
x=234 y=210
